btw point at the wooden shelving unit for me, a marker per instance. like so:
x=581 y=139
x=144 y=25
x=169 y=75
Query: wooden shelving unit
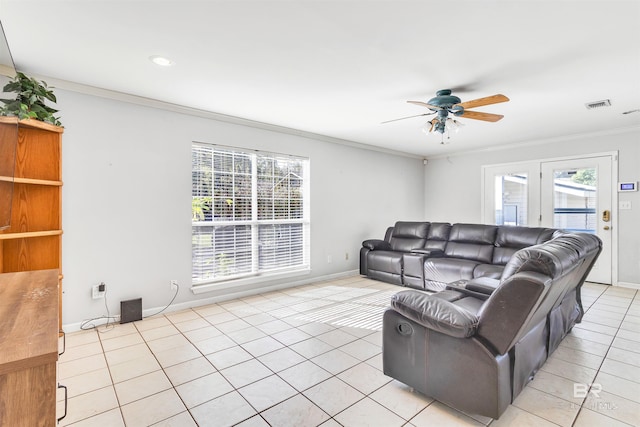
x=28 y=348
x=34 y=240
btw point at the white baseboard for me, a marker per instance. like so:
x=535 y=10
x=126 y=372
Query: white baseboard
x=74 y=327
x=629 y=285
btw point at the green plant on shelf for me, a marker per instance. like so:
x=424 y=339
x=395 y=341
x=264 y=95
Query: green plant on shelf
x=30 y=101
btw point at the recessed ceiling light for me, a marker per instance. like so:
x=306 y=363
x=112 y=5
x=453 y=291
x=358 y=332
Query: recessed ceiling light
x=161 y=61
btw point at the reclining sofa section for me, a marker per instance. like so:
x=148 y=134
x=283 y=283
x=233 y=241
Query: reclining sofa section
x=475 y=347
x=429 y=256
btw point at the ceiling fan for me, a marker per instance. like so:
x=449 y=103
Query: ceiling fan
x=444 y=104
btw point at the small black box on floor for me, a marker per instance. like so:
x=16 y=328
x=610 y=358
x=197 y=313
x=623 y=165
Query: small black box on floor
x=130 y=310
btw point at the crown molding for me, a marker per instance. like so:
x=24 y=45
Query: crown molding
x=181 y=109
x=521 y=144
x=190 y=111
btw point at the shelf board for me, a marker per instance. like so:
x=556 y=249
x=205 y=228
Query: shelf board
x=31 y=181
x=30 y=234
x=32 y=124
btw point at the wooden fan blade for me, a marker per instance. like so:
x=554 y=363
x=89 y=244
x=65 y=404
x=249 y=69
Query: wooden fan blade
x=424 y=104
x=409 y=117
x=495 y=99
x=487 y=117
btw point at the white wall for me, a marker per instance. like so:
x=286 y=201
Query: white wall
x=452 y=185
x=127 y=209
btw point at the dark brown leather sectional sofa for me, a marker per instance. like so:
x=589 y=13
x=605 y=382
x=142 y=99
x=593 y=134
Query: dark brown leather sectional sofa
x=477 y=343
x=429 y=256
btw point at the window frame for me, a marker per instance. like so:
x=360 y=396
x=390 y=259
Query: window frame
x=255 y=223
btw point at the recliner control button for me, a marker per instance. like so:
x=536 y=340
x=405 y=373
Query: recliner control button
x=404 y=328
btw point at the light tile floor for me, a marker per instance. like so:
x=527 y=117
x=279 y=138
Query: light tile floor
x=311 y=355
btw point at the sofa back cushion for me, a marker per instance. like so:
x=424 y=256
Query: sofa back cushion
x=553 y=258
x=438 y=236
x=511 y=239
x=472 y=242
x=409 y=235
x=534 y=281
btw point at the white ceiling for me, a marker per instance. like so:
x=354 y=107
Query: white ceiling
x=339 y=68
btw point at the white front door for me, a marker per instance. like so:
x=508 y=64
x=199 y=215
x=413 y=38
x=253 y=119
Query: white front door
x=576 y=195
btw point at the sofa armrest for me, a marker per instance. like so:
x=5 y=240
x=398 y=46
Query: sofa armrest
x=480 y=287
x=376 y=244
x=435 y=313
x=483 y=285
x=429 y=253
x=413 y=266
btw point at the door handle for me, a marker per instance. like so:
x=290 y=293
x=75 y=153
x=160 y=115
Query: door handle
x=606 y=227
x=606 y=216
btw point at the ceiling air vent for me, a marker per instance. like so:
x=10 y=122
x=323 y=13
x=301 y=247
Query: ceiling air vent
x=598 y=104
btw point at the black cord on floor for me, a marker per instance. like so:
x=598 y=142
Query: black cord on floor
x=88 y=324
x=167 y=306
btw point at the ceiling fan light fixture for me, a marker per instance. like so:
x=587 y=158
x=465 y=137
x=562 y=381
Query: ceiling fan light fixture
x=453 y=125
x=427 y=128
x=440 y=127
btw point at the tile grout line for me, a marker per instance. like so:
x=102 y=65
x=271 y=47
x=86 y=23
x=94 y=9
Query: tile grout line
x=605 y=355
x=235 y=308
x=284 y=380
x=162 y=368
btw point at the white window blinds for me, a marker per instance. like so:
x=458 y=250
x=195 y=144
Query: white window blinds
x=249 y=213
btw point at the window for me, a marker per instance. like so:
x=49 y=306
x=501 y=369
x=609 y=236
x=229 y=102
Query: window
x=250 y=213
x=511 y=198
x=509 y=194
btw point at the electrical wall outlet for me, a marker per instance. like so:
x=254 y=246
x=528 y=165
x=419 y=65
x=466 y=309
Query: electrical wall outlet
x=173 y=285
x=98 y=291
x=624 y=205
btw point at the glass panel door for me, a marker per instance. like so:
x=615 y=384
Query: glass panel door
x=577 y=196
x=572 y=194
x=511 y=199
x=509 y=194
x=574 y=199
